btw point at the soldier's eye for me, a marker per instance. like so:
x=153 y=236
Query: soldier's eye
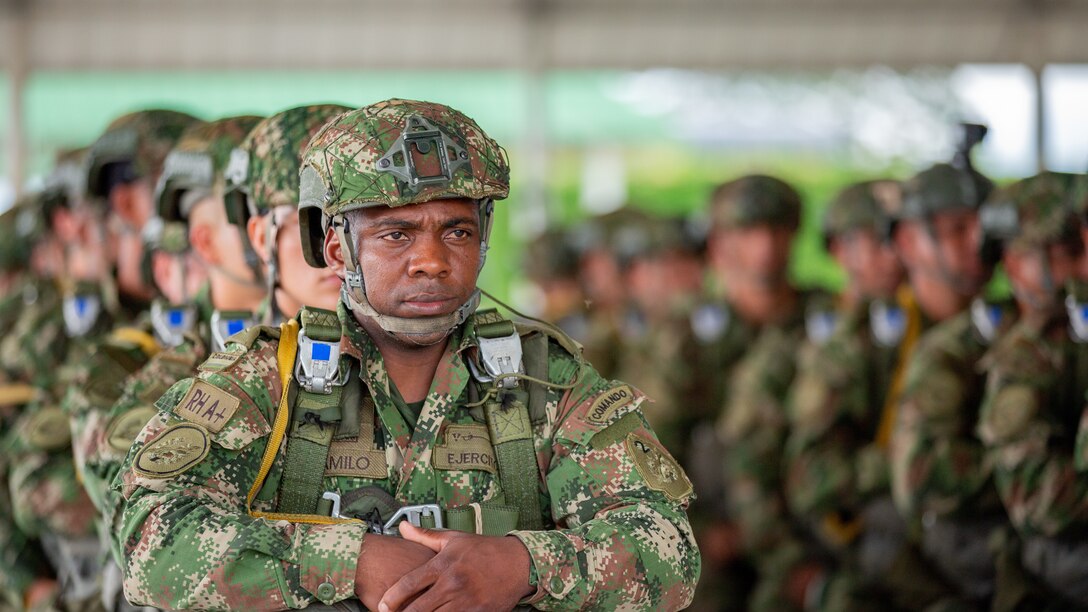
x=395 y=236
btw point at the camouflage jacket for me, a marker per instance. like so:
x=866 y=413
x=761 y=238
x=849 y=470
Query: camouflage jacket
x=612 y=499
x=36 y=342
x=1034 y=426
x=833 y=463
x=938 y=464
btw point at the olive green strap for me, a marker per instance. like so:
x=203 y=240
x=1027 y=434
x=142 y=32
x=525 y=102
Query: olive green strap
x=482 y=519
x=512 y=436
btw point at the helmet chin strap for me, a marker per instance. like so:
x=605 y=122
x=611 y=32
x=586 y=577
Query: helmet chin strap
x=353 y=292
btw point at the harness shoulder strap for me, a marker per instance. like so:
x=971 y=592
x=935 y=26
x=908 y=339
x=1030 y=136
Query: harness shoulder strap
x=507 y=416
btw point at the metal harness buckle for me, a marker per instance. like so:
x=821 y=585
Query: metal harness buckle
x=225 y=325
x=497 y=357
x=1078 y=318
x=172 y=322
x=317 y=369
x=413 y=514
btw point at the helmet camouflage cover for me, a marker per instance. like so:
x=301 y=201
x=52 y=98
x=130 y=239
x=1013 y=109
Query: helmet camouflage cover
x=755 y=199
x=142 y=138
x=263 y=171
x=198 y=161
x=1032 y=213
x=395 y=153
x=865 y=205
x=943 y=188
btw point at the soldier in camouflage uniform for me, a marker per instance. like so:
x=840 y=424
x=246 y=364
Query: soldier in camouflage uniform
x=941 y=483
x=759 y=217
x=49 y=502
x=275 y=477
x=1032 y=419
x=836 y=479
x=262 y=199
x=550 y=262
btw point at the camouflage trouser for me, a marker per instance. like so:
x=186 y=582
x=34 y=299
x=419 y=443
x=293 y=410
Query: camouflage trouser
x=112 y=596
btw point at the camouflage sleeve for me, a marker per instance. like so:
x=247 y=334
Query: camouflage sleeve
x=826 y=404
x=618 y=499
x=753 y=427
x=109 y=435
x=937 y=463
x=1031 y=443
x=186 y=535
x=100 y=380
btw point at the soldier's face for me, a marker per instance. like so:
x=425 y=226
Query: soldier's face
x=868 y=262
x=1038 y=275
x=420 y=260
x=302 y=284
x=758 y=254
x=949 y=249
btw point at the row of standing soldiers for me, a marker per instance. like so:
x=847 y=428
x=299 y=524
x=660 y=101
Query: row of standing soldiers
x=917 y=441
x=143 y=253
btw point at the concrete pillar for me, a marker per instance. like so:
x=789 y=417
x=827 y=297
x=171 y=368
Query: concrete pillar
x=16 y=71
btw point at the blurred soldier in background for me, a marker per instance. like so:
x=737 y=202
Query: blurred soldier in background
x=48 y=500
x=836 y=475
x=189 y=191
x=941 y=483
x=758 y=217
x=605 y=293
x=550 y=262
x=262 y=200
x=1033 y=419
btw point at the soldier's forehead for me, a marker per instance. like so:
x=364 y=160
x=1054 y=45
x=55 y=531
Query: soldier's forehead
x=435 y=211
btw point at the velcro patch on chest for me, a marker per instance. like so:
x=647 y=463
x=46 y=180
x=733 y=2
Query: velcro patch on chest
x=219 y=361
x=660 y=471
x=173 y=452
x=207 y=405
x=356 y=457
x=124 y=427
x=467 y=447
x=607 y=403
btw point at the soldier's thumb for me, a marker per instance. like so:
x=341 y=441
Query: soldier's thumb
x=432 y=539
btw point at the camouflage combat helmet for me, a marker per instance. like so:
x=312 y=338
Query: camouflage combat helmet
x=140 y=140
x=1030 y=214
x=755 y=199
x=943 y=188
x=865 y=205
x=395 y=153
x=646 y=236
x=197 y=163
x=66 y=185
x=262 y=174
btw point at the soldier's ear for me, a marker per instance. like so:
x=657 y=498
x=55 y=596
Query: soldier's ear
x=258 y=236
x=202 y=239
x=334 y=253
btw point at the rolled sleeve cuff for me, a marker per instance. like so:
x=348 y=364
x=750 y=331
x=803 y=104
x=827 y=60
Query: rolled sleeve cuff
x=555 y=565
x=330 y=554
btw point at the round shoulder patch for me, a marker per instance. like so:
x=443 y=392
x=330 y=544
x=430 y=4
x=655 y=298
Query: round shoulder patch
x=177 y=449
x=124 y=427
x=49 y=430
x=660 y=471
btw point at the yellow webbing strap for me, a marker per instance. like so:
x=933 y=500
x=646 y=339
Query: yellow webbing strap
x=16 y=393
x=139 y=337
x=285 y=359
x=905 y=297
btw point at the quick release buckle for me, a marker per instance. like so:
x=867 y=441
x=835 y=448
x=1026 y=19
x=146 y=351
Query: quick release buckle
x=80 y=313
x=986 y=318
x=317 y=368
x=498 y=357
x=172 y=322
x=413 y=515
x=226 y=324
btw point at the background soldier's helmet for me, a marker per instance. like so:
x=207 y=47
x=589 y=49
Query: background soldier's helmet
x=551 y=255
x=865 y=205
x=396 y=153
x=753 y=200
x=645 y=236
x=1032 y=213
x=942 y=188
x=195 y=167
x=66 y=185
x=134 y=145
x=263 y=171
